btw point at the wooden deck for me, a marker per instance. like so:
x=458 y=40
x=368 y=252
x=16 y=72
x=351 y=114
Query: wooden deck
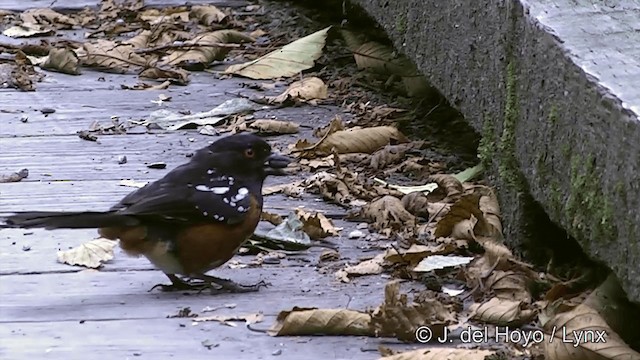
x=53 y=311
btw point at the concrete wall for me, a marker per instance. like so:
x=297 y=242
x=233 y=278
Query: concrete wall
x=553 y=86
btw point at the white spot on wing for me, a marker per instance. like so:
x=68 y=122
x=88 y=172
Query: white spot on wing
x=210 y=171
x=216 y=189
x=243 y=191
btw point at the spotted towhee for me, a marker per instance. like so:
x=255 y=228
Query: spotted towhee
x=192 y=220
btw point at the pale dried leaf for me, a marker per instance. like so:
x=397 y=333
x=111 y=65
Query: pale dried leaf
x=306 y=89
x=207 y=14
x=367 y=267
x=363 y=140
x=382 y=59
x=288 y=61
x=229 y=319
x=47 y=17
x=312 y=321
x=268 y=126
x=107 y=54
x=566 y=343
x=316 y=225
x=435 y=262
x=509 y=285
x=415 y=253
x=502 y=312
x=62 y=60
x=90 y=254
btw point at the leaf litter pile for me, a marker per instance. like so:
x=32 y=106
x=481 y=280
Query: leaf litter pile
x=435 y=229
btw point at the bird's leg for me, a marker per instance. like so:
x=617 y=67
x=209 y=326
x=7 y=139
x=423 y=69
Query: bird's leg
x=178 y=284
x=225 y=285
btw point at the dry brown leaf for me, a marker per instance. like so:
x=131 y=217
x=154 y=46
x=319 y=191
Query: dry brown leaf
x=415 y=253
x=502 y=312
x=107 y=54
x=291 y=189
x=382 y=59
x=334 y=125
x=272 y=218
x=326 y=162
x=62 y=60
x=435 y=353
x=316 y=225
x=363 y=140
x=310 y=88
x=416 y=203
x=312 y=321
x=449 y=187
x=175 y=75
x=229 y=319
x=582 y=333
x=268 y=126
x=399 y=318
x=288 y=61
x=90 y=254
x=368 y=267
x=388 y=212
x=463 y=209
x=509 y=285
x=392 y=154
x=207 y=14
x=48 y=17
x=203 y=49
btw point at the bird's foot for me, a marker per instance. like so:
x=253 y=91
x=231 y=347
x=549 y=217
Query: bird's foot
x=178 y=284
x=218 y=285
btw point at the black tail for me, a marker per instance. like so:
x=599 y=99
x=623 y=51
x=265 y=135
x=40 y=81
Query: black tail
x=67 y=220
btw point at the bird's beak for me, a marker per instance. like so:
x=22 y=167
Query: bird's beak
x=275 y=164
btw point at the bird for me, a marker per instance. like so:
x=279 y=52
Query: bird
x=192 y=220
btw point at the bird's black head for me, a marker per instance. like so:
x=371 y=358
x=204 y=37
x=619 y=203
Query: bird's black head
x=243 y=154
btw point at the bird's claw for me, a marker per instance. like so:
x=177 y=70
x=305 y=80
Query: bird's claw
x=204 y=282
x=229 y=286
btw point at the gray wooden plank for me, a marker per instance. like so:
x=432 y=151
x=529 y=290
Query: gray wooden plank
x=172 y=339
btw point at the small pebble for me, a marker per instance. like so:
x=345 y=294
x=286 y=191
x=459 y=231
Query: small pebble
x=26 y=247
x=24 y=119
x=270 y=260
x=277 y=352
x=362 y=226
x=122 y=159
x=356 y=234
x=47 y=111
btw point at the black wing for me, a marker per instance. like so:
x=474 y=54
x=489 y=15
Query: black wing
x=187 y=194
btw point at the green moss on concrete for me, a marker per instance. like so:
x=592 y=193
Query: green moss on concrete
x=508 y=168
x=555 y=196
x=401 y=23
x=588 y=209
x=553 y=115
x=487 y=146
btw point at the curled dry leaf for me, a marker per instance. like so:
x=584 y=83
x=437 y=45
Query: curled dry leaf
x=175 y=75
x=312 y=321
x=110 y=55
x=203 y=49
x=416 y=203
x=14 y=176
x=582 y=333
x=372 y=266
x=207 y=14
x=293 y=189
x=392 y=154
x=91 y=254
x=398 y=317
x=267 y=126
x=462 y=211
x=509 y=285
x=388 y=212
x=502 y=312
x=326 y=162
x=47 y=17
x=382 y=59
x=437 y=353
x=450 y=186
x=288 y=61
x=306 y=89
x=62 y=60
x=360 y=140
x=316 y=225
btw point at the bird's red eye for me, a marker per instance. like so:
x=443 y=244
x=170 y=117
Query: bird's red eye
x=249 y=153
